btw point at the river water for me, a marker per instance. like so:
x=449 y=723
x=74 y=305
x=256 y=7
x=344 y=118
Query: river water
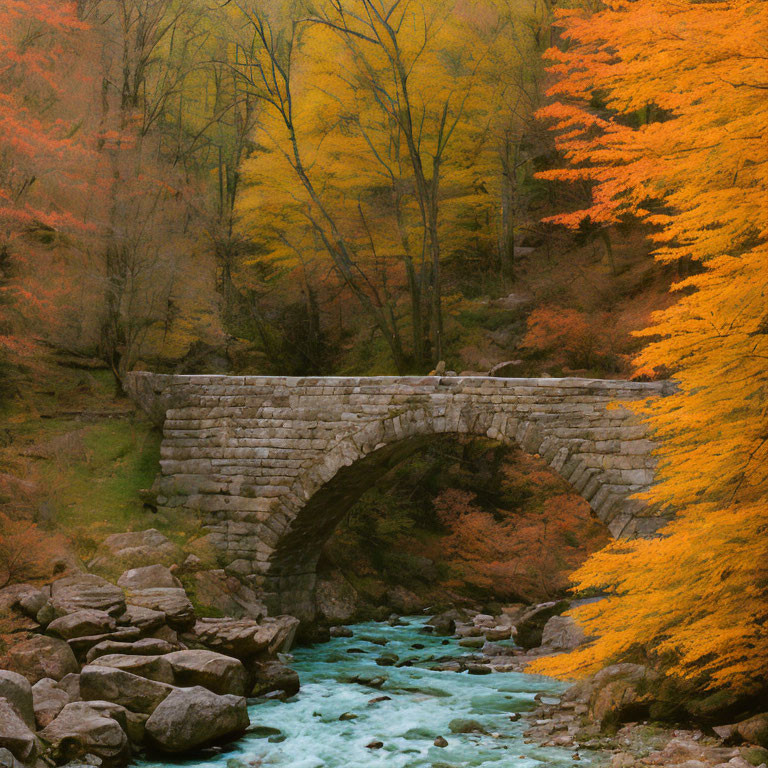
x=307 y=732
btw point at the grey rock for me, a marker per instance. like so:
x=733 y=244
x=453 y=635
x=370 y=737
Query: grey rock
x=172 y=601
x=83 y=591
x=130 y=691
x=41 y=657
x=336 y=600
x=465 y=725
x=144 y=619
x=273 y=676
x=192 y=717
x=24 y=598
x=755 y=729
x=148 y=577
x=82 y=623
x=150 y=667
x=17 y=691
x=562 y=633
x=48 y=700
x=147 y=646
x=82 y=645
x=214 y=671
x=88 y=728
x=71 y=685
x=245 y=638
x=8 y=759
x=444 y=623
x=530 y=626
x=227 y=594
x=15 y=734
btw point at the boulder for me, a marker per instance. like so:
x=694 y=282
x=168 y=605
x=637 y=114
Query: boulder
x=120 y=687
x=82 y=623
x=144 y=619
x=148 y=577
x=403 y=601
x=465 y=725
x=17 y=691
x=562 y=633
x=82 y=645
x=444 y=623
x=227 y=594
x=530 y=626
x=336 y=600
x=48 y=700
x=189 y=718
x=86 y=591
x=42 y=656
x=136 y=549
x=24 y=598
x=8 y=760
x=498 y=633
x=754 y=730
x=214 y=671
x=246 y=638
x=132 y=723
x=273 y=676
x=618 y=693
x=70 y=684
x=151 y=667
x=147 y=646
x=88 y=728
x=15 y=734
x=172 y=601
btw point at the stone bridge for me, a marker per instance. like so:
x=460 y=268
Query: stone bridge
x=271 y=464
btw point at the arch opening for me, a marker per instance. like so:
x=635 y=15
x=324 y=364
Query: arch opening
x=291 y=576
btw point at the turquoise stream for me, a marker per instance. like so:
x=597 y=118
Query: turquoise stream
x=422 y=703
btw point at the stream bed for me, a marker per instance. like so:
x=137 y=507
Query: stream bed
x=341 y=710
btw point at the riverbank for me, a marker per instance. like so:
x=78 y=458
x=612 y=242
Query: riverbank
x=173 y=660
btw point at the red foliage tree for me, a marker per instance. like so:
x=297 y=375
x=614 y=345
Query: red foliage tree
x=37 y=151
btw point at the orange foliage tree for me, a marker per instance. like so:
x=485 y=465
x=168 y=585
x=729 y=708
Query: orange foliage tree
x=517 y=555
x=661 y=106
x=26 y=552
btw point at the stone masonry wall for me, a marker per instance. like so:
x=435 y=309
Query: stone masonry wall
x=270 y=464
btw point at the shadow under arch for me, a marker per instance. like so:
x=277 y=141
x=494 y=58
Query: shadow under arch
x=322 y=495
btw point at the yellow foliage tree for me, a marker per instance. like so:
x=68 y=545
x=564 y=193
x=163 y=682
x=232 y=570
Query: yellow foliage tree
x=682 y=146
x=382 y=125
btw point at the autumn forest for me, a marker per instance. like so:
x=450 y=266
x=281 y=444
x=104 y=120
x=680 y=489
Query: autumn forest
x=517 y=189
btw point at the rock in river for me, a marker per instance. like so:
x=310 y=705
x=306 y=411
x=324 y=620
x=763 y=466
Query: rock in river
x=246 y=638
x=214 y=671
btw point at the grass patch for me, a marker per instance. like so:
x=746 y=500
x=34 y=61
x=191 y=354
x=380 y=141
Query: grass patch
x=93 y=488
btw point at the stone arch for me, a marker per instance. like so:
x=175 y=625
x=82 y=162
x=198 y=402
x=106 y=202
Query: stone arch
x=305 y=517
x=261 y=459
